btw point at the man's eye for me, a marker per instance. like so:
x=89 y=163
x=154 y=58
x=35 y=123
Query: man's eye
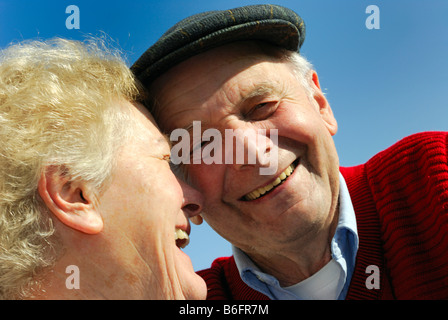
x=260 y=105
x=198 y=146
x=261 y=111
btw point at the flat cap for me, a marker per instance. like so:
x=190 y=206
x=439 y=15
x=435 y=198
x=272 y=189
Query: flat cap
x=274 y=24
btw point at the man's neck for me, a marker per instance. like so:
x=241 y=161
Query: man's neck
x=301 y=260
x=290 y=268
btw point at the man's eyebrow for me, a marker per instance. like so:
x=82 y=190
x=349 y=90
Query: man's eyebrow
x=262 y=89
x=190 y=126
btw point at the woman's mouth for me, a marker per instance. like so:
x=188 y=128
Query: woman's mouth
x=262 y=191
x=181 y=237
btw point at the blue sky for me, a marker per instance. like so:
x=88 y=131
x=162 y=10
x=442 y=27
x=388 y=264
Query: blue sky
x=382 y=84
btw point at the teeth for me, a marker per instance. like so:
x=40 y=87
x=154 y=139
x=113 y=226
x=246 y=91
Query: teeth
x=182 y=238
x=282 y=176
x=261 y=191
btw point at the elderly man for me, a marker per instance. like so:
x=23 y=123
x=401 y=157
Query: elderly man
x=311 y=230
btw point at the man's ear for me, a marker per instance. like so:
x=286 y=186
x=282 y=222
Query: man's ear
x=71 y=202
x=324 y=107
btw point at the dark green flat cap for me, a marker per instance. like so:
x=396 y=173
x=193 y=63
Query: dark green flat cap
x=274 y=24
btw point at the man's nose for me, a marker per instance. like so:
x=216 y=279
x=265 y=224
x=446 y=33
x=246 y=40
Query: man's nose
x=193 y=200
x=250 y=147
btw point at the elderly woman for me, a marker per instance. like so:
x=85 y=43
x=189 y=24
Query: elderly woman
x=89 y=208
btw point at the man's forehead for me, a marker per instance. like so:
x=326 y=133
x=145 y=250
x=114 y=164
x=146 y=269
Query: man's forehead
x=210 y=69
x=213 y=77
x=219 y=58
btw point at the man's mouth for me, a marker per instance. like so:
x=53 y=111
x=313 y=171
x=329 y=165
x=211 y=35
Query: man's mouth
x=182 y=238
x=261 y=192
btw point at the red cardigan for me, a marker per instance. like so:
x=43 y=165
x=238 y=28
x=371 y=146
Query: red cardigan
x=400 y=198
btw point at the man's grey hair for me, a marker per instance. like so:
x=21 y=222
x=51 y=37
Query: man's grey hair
x=302 y=69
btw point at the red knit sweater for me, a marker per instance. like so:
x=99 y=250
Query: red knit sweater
x=400 y=198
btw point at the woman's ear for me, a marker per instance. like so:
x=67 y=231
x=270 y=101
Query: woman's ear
x=324 y=107
x=71 y=202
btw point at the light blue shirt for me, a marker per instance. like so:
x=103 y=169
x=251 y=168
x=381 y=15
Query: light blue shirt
x=344 y=247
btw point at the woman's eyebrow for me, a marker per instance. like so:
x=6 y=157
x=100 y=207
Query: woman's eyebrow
x=167 y=139
x=164 y=138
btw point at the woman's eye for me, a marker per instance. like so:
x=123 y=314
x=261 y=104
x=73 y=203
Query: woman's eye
x=167 y=158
